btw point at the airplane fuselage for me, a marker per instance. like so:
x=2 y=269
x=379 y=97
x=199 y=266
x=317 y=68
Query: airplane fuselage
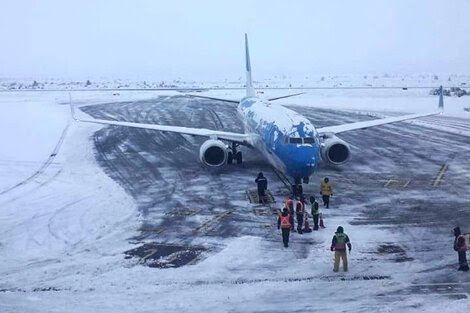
x=285 y=138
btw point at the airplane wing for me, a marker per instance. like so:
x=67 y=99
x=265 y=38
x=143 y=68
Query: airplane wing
x=214 y=98
x=286 y=96
x=366 y=124
x=238 y=101
x=243 y=139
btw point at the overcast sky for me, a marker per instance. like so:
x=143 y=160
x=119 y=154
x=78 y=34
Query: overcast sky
x=204 y=39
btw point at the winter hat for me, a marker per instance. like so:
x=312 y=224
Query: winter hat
x=339 y=229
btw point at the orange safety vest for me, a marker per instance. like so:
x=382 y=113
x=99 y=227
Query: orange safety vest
x=285 y=221
x=462 y=242
x=301 y=207
x=288 y=203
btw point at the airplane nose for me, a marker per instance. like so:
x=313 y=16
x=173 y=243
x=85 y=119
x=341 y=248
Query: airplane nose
x=306 y=162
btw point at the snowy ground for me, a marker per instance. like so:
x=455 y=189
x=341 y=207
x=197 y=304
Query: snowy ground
x=75 y=197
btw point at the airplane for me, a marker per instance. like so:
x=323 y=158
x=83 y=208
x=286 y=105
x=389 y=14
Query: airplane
x=286 y=139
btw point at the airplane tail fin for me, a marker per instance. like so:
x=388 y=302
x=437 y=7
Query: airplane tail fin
x=250 y=91
x=441 y=99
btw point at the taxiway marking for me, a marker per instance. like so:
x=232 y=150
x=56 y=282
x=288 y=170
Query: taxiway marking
x=439 y=176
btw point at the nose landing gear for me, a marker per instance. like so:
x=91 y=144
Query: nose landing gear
x=234 y=154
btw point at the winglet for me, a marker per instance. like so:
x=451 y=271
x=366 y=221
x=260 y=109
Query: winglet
x=441 y=100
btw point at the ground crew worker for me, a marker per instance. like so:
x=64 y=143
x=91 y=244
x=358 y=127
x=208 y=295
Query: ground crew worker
x=326 y=192
x=284 y=223
x=289 y=204
x=299 y=211
x=262 y=186
x=297 y=190
x=315 y=212
x=461 y=246
x=338 y=245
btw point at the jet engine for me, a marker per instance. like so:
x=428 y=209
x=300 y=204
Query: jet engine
x=335 y=151
x=213 y=153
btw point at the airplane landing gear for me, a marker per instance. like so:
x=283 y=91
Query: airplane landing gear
x=234 y=154
x=306 y=180
x=239 y=157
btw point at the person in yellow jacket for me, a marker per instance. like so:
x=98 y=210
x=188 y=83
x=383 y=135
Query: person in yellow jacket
x=326 y=191
x=338 y=245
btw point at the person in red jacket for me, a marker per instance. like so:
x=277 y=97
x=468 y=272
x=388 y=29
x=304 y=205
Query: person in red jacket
x=461 y=246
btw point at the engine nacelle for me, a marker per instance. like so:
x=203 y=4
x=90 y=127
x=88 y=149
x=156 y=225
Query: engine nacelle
x=335 y=151
x=213 y=153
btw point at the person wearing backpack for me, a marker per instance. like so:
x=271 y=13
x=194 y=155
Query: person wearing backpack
x=461 y=246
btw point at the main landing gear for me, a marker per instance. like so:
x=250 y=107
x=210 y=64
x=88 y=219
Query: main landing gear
x=234 y=154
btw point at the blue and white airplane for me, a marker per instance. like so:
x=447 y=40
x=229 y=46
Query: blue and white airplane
x=286 y=139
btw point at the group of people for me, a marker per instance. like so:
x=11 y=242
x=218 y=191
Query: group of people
x=296 y=207
x=286 y=222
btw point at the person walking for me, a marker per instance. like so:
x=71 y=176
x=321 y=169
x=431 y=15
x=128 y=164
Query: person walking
x=461 y=246
x=326 y=191
x=338 y=245
x=262 y=183
x=284 y=222
x=315 y=210
x=289 y=204
x=299 y=211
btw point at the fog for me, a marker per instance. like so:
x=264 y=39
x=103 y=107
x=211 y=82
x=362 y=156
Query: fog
x=204 y=39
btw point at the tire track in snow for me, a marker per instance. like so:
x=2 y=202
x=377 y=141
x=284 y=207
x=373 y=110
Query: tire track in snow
x=44 y=166
x=50 y=227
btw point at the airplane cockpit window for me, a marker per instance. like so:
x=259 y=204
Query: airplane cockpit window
x=295 y=140
x=309 y=140
x=299 y=140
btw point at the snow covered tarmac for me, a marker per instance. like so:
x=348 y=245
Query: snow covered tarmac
x=64 y=233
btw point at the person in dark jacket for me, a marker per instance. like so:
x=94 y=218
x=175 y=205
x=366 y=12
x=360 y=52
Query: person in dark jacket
x=461 y=246
x=262 y=186
x=284 y=222
x=299 y=211
x=338 y=245
x=297 y=190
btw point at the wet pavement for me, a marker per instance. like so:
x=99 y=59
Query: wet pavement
x=394 y=180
